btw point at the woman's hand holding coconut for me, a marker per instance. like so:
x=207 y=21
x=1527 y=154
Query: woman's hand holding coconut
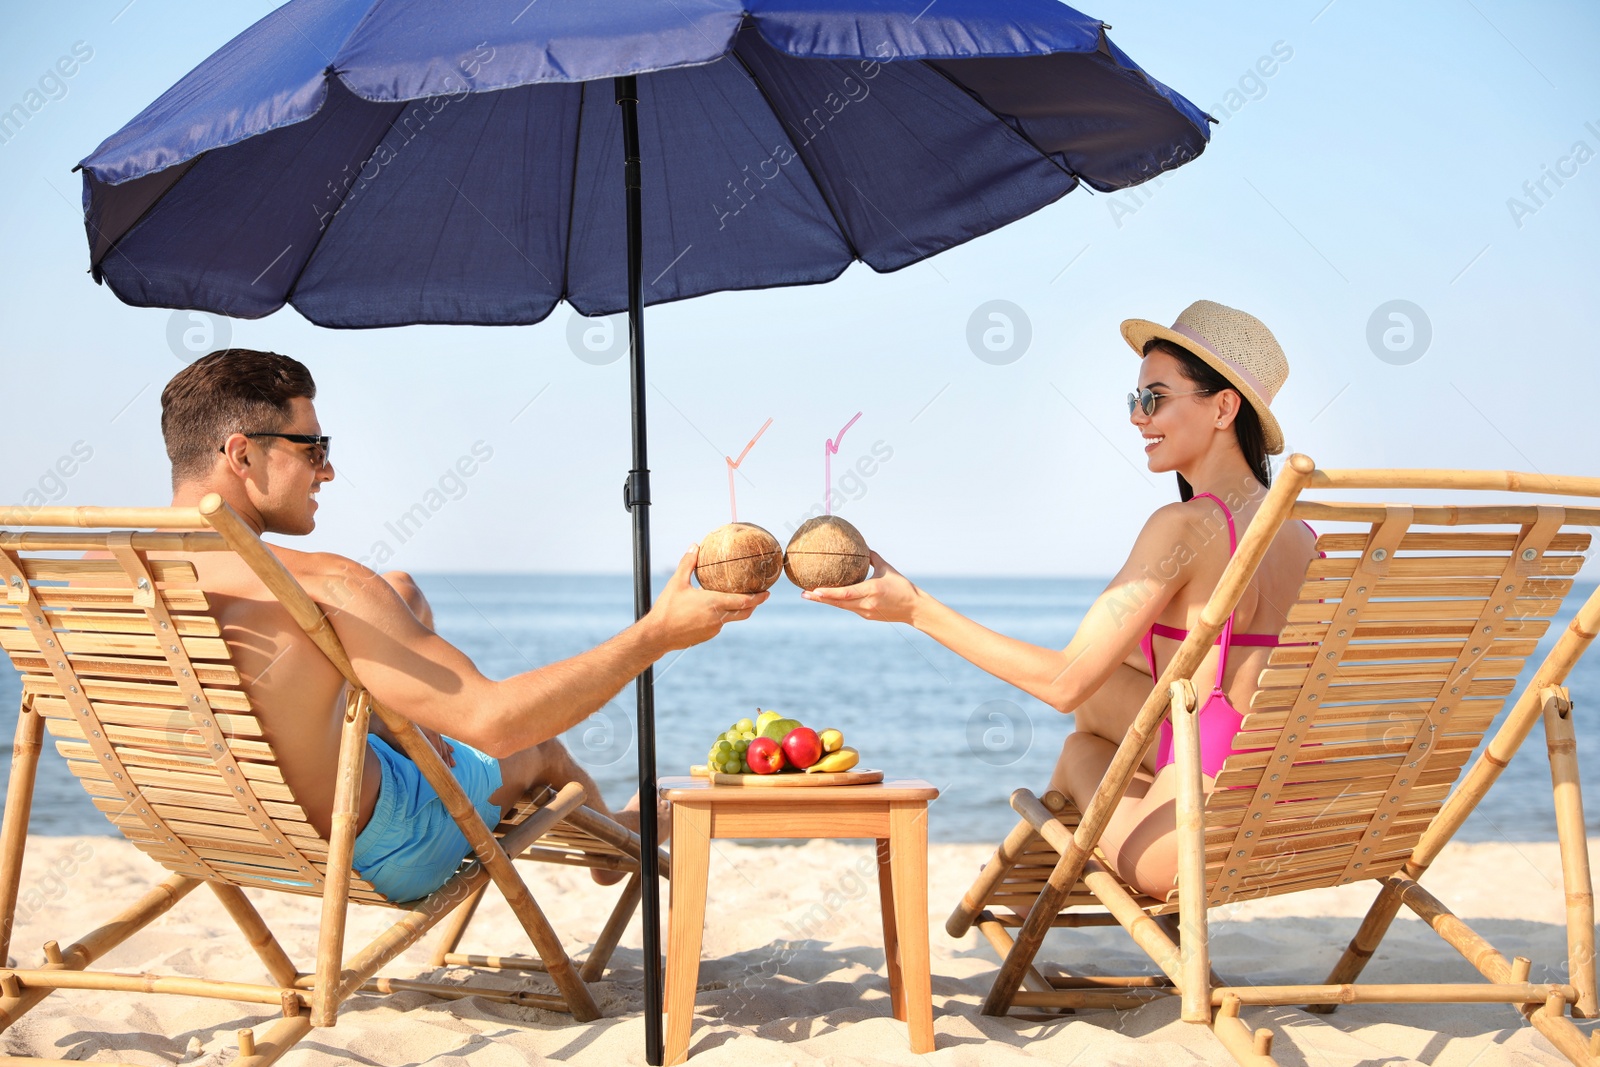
x=888 y=596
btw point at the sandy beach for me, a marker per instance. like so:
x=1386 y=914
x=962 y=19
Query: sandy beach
x=793 y=972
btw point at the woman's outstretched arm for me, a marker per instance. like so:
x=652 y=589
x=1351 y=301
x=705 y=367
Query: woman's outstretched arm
x=1154 y=572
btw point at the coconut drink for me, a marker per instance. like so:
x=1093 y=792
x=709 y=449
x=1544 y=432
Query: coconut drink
x=740 y=557
x=826 y=552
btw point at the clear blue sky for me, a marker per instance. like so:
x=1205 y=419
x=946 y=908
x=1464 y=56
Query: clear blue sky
x=1377 y=162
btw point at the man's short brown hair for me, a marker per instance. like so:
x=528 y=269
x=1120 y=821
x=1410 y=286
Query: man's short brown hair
x=234 y=390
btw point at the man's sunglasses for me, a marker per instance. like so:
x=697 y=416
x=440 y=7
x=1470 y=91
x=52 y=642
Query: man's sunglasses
x=320 y=444
x=1146 y=399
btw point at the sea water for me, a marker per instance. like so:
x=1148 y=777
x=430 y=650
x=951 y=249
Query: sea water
x=913 y=708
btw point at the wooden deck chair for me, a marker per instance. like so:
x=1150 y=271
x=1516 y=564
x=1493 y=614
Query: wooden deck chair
x=125 y=669
x=1405 y=642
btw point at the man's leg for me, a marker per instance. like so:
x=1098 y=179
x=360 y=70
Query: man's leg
x=549 y=763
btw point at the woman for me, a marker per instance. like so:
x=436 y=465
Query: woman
x=1202 y=408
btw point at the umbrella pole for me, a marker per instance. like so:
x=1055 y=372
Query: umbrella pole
x=636 y=495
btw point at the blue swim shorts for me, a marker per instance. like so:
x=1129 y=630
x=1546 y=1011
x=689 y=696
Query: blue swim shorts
x=411 y=846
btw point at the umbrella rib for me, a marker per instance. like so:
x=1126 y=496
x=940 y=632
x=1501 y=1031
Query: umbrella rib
x=113 y=246
x=1050 y=156
x=837 y=221
x=294 y=283
x=921 y=257
x=1001 y=119
x=460 y=193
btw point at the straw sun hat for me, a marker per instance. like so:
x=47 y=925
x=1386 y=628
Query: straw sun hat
x=1236 y=345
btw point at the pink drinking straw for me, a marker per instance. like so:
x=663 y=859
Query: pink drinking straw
x=829 y=450
x=733 y=465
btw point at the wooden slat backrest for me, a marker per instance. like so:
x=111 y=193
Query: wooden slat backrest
x=138 y=688
x=1401 y=647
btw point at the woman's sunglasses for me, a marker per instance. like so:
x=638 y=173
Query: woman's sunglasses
x=1145 y=399
x=320 y=444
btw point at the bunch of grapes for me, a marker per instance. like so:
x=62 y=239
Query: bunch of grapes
x=727 y=751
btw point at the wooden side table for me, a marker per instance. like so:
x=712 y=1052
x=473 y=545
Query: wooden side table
x=894 y=813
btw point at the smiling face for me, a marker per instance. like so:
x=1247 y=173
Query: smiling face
x=1183 y=428
x=280 y=479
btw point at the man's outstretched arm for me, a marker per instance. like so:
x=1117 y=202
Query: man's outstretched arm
x=413 y=671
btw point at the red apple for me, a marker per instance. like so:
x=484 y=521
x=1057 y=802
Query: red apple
x=764 y=756
x=802 y=746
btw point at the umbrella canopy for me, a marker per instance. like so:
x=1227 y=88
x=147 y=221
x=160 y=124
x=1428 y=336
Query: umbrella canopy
x=416 y=162
x=386 y=164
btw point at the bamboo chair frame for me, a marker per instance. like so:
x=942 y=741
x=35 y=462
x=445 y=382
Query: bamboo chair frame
x=1048 y=867
x=194 y=731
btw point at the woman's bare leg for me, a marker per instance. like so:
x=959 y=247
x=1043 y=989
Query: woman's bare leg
x=1142 y=838
x=1109 y=711
x=1085 y=758
x=1101 y=722
x=1078 y=771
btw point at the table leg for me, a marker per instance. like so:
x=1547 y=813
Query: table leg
x=891 y=942
x=908 y=848
x=691 y=856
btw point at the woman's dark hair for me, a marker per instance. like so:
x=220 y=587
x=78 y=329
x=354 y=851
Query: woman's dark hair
x=1246 y=425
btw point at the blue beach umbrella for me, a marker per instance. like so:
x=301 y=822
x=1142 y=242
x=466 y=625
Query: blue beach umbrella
x=413 y=161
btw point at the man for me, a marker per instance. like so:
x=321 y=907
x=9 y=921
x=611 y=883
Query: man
x=242 y=424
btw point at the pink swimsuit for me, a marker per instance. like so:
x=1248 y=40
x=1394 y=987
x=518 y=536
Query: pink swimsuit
x=1219 y=719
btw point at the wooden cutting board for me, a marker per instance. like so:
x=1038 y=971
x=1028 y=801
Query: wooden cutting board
x=859 y=776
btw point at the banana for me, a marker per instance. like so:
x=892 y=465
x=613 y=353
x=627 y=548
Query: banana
x=832 y=740
x=842 y=760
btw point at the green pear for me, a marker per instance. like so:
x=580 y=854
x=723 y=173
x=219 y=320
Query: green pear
x=778 y=729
